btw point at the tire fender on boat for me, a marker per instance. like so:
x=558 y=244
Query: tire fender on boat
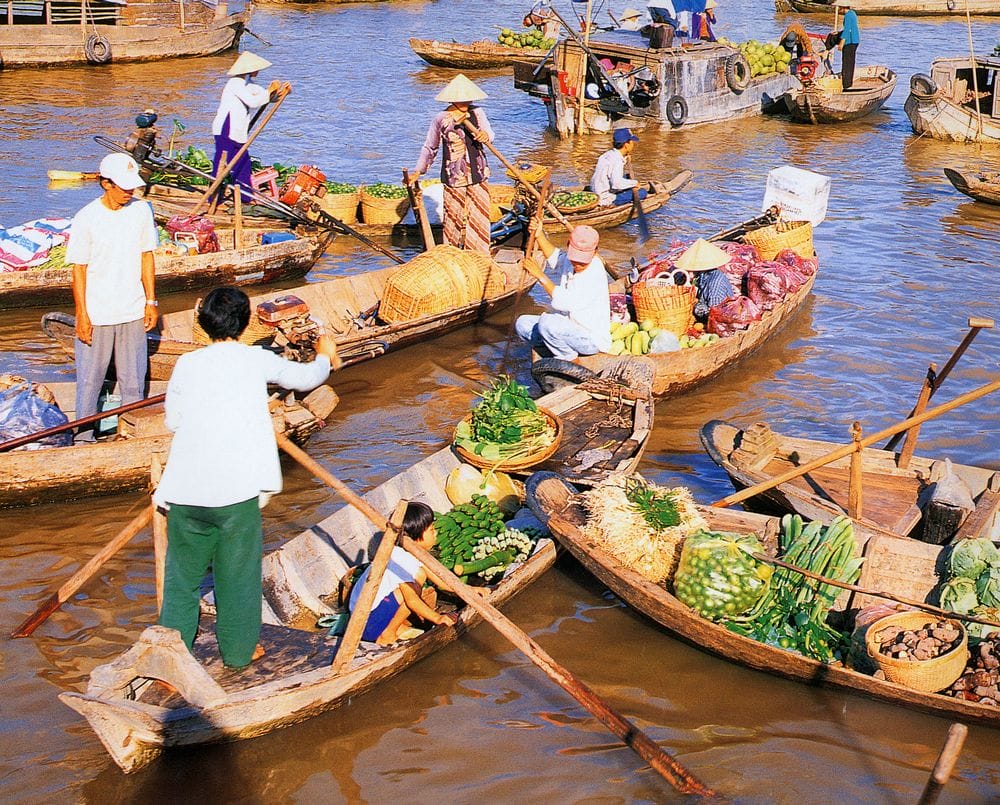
x=97 y=49
x=923 y=86
x=554 y=373
x=737 y=72
x=677 y=111
x=951 y=5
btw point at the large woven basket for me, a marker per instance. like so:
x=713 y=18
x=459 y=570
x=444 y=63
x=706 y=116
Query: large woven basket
x=343 y=206
x=375 y=210
x=518 y=462
x=441 y=279
x=928 y=676
x=795 y=235
x=568 y=210
x=256 y=332
x=670 y=306
x=500 y=194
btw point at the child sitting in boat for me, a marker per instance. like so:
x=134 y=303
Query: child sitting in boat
x=402 y=596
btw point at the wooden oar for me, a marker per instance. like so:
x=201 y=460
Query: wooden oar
x=78 y=579
x=640 y=215
x=72 y=176
x=86 y=420
x=671 y=770
x=846 y=450
x=945 y=764
x=419 y=211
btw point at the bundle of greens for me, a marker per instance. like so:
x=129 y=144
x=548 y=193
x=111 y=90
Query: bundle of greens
x=505 y=425
x=196 y=158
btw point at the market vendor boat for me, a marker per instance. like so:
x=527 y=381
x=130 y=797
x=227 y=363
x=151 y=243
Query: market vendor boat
x=252 y=263
x=945 y=106
x=480 y=55
x=47 y=33
x=349 y=308
x=896 y=499
x=137 y=719
x=982 y=186
x=900 y=8
x=823 y=99
x=120 y=460
x=906 y=568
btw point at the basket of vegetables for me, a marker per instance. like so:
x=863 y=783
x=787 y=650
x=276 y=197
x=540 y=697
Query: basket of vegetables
x=918 y=650
x=383 y=203
x=341 y=201
x=576 y=201
x=507 y=430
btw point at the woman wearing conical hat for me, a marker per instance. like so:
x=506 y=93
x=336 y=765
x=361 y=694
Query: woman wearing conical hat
x=703 y=260
x=464 y=170
x=240 y=99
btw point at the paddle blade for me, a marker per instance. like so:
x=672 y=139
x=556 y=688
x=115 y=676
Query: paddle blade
x=641 y=218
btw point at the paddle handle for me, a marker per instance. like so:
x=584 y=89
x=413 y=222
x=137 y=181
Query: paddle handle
x=945 y=764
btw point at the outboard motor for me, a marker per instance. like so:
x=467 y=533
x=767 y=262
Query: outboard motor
x=646 y=88
x=141 y=143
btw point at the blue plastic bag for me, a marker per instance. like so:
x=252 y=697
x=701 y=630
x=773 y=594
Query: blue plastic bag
x=23 y=412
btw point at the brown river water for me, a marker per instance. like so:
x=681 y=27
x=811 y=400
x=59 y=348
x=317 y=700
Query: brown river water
x=904 y=260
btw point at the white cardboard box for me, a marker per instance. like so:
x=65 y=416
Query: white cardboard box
x=801 y=194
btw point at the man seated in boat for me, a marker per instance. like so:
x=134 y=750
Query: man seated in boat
x=580 y=321
x=610 y=180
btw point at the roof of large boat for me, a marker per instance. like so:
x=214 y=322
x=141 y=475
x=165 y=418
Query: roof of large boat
x=632 y=41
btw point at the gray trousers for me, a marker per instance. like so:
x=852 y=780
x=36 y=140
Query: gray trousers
x=128 y=344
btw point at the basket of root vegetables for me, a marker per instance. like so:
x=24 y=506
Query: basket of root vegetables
x=921 y=651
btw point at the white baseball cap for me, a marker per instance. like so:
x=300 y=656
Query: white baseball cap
x=122 y=170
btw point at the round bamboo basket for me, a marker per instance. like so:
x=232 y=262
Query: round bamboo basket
x=567 y=210
x=515 y=463
x=928 y=676
x=670 y=306
x=375 y=210
x=343 y=206
x=256 y=332
x=795 y=235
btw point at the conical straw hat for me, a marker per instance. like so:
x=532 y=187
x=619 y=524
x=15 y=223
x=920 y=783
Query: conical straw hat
x=702 y=256
x=248 y=63
x=460 y=90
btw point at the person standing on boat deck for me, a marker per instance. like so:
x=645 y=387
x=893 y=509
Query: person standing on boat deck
x=464 y=170
x=110 y=248
x=705 y=259
x=850 y=38
x=610 y=181
x=702 y=22
x=580 y=323
x=222 y=468
x=240 y=98
x=630 y=20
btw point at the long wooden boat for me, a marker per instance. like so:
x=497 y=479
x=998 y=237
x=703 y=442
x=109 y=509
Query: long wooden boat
x=479 y=55
x=253 y=263
x=680 y=371
x=941 y=105
x=899 y=8
x=824 y=100
x=137 y=719
x=895 y=498
x=903 y=567
x=122 y=461
x=982 y=186
x=43 y=33
x=344 y=305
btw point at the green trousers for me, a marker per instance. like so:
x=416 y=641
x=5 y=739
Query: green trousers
x=228 y=539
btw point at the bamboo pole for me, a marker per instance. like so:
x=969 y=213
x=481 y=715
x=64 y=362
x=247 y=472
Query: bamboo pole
x=237 y=219
x=159 y=534
x=637 y=740
x=582 y=85
x=855 y=492
x=846 y=450
x=419 y=210
x=975 y=78
x=945 y=764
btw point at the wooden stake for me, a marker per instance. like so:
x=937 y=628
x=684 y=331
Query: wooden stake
x=159 y=534
x=237 y=218
x=671 y=770
x=910 y=438
x=945 y=764
x=419 y=211
x=855 y=493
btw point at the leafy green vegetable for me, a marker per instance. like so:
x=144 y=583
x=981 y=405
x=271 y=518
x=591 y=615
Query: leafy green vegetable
x=981 y=630
x=657 y=507
x=959 y=595
x=988 y=587
x=970 y=558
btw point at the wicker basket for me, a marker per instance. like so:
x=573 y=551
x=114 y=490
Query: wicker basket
x=441 y=279
x=256 y=332
x=590 y=205
x=795 y=235
x=500 y=194
x=928 y=676
x=375 y=210
x=670 y=306
x=519 y=462
x=343 y=206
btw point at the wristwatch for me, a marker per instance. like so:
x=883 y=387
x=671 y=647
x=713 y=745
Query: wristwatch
x=152 y=303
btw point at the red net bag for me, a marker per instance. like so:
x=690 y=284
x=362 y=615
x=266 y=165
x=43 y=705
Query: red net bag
x=736 y=313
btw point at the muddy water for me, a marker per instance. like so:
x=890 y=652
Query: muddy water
x=904 y=261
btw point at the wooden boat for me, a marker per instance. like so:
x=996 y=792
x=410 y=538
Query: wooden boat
x=345 y=305
x=680 y=371
x=983 y=186
x=824 y=100
x=43 y=33
x=479 y=55
x=895 y=499
x=122 y=462
x=253 y=263
x=136 y=719
x=900 y=8
x=942 y=105
x=900 y=566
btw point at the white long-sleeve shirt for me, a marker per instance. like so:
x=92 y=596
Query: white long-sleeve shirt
x=223 y=450
x=609 y=177
x=239 y=98
x=583 y=296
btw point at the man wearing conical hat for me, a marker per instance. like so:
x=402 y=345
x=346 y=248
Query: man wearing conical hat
x=459 y=132
x=240 y=99
x=703 y=260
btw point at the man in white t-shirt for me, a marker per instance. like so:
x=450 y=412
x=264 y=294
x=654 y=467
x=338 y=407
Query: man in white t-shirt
x=580 y=323
x=110 y=248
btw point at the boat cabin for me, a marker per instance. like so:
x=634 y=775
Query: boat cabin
x=623 y=77
x=977 y=90
x=97 y=14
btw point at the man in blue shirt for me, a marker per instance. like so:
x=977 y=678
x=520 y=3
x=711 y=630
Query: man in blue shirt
x=850 y=38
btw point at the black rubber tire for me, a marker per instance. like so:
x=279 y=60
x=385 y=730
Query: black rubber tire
x=951 y=5
x=554 y=373
x=97 y=49
x=922 y=85
x=677 y=111
x=738 y=72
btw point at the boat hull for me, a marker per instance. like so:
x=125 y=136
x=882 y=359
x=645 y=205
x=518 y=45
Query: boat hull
x=979 y=187
x=481 y=55
x=821 y=103
x=942 y=119
x=901 y=8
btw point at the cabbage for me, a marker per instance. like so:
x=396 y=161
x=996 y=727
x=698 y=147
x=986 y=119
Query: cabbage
x=981 y=630
x=959 y=595
x=988 y=587
x=971 y=557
